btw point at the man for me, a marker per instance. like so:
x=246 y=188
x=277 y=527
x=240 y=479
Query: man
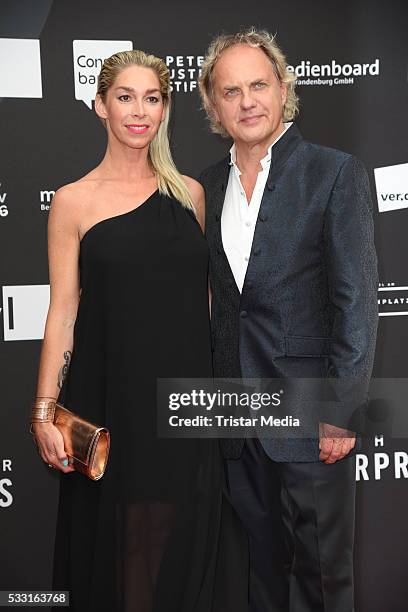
x=294 y=282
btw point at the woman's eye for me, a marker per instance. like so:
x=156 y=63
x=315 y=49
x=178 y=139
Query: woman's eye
x=153 y=99
x=121 y=98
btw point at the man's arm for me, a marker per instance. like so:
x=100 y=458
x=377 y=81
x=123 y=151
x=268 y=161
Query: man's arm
x=353 y=284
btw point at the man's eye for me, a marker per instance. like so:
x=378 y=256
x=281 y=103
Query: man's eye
x=124 y=96
x=259 y=85
x=231 y=92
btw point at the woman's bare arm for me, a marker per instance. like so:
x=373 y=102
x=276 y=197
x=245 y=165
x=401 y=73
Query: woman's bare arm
x=56 y=350
x=197 y=194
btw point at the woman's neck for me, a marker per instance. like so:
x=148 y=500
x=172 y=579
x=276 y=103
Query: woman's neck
x=126 y=164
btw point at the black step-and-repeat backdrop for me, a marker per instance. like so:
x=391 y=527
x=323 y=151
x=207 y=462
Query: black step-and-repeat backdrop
x=350 y=58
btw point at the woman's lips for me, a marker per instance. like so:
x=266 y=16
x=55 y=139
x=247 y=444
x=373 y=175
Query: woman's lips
x=136 y=128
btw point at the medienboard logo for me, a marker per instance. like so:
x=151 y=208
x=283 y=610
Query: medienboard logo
x=25 y=309
x=89 y=56
x=391 y=183
x=392 y=300
x=20 y=68
x=332 y=73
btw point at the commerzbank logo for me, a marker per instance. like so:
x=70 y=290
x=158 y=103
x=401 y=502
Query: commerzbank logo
x=88 y=56
x=333 y=72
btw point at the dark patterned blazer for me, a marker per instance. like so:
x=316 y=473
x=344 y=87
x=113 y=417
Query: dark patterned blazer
x=308 y=307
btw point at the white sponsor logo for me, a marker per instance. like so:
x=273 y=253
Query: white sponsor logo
x=20 y=68
x=3 y=206
x=392 y=300
x=6 y=497
x=89 y=56
x=45 y=198
x=184 y=71
x=381 y=463
x=332 y=73
x=392 y=187
x=25 y=309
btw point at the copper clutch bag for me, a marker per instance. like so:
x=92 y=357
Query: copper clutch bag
x=85 y=443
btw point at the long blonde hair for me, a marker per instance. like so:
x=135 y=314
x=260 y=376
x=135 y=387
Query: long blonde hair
x=253 y=38
x=169 y=180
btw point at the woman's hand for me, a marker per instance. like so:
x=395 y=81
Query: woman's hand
x=50 y=444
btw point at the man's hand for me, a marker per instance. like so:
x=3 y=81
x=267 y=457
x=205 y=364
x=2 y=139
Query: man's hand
x=335 y=443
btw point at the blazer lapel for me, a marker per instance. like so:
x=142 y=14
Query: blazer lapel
x=219 y=189
x=218 y=197
x=280 y=154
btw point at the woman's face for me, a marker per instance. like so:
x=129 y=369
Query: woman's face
x=133 y=107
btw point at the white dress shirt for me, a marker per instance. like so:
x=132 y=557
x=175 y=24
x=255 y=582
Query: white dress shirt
x=239 y=217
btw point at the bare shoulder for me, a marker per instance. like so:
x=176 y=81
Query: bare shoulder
x=71 y=200
x=64 y=200
x=67 y=206
x=84 y=187
x=67 y=194
x=195 y=188
x=198 y=196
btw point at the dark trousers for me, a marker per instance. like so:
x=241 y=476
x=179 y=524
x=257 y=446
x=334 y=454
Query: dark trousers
x=300 y=523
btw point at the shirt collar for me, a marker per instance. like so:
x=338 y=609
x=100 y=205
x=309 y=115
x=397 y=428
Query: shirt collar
x=265 y=161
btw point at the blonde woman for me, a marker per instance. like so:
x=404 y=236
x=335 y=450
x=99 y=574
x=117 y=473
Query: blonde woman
x=128 y=273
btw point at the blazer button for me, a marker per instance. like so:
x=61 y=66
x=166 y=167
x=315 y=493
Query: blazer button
x=249 y=284
x=263 y=217
x=244 y=314
x=256 y=251
x=217 y=217
x=219 y=250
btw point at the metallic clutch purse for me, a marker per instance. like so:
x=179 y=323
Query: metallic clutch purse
x=86 y=443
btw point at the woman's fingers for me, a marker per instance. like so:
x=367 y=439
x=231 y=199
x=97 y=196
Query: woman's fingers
x=50 y=444
x=61 y=457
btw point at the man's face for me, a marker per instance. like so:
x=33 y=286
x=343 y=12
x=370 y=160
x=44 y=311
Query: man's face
x=248 y=96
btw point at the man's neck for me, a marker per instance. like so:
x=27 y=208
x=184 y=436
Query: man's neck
x=249 y=155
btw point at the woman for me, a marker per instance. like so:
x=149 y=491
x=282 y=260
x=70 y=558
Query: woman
x=128 y=275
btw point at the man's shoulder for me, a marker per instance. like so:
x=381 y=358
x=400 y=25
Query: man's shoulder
x=328 y=154
x=328 y=161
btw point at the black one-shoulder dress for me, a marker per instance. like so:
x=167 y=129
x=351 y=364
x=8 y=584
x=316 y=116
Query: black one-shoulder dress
x=157 y=533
